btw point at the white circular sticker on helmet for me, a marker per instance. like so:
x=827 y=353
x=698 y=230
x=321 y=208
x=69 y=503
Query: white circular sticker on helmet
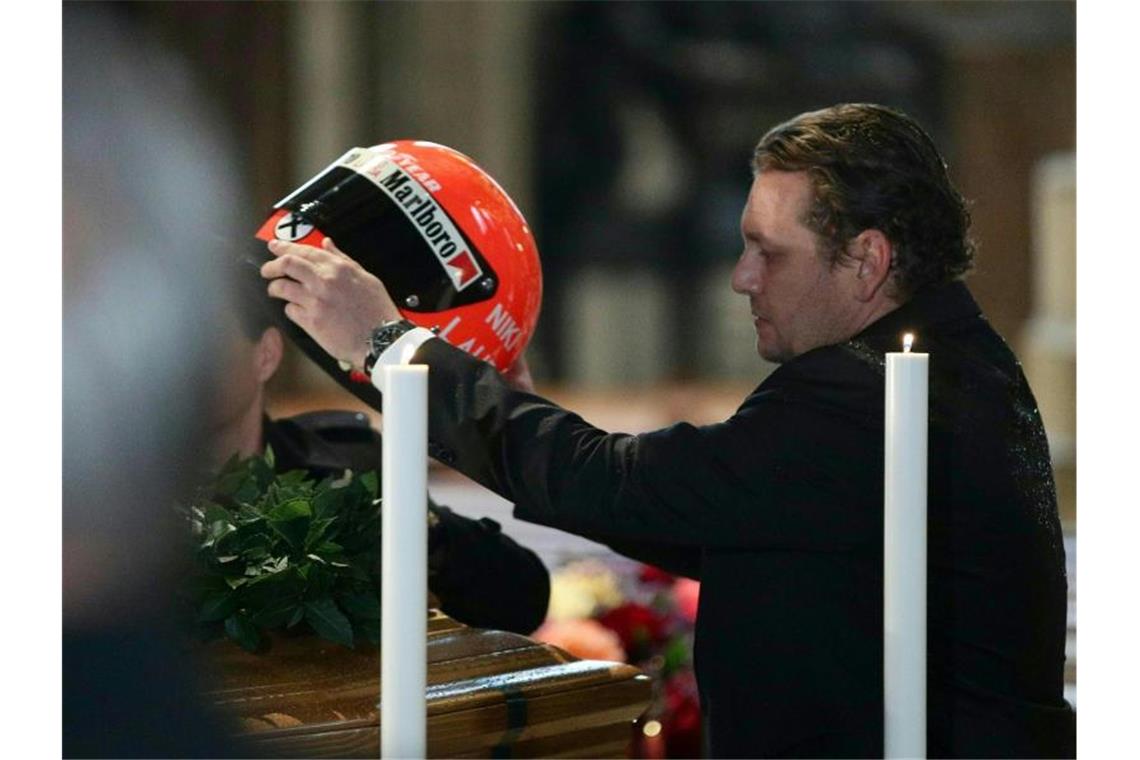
x=292 y=227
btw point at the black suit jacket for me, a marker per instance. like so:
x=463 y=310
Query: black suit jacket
x=781 y=505
x=481 y=577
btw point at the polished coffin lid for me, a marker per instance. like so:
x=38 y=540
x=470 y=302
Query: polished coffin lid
x=490 y=694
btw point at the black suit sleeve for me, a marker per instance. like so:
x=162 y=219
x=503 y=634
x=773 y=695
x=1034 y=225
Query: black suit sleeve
x=778 y=473
x=483 y=578
x=672 y=558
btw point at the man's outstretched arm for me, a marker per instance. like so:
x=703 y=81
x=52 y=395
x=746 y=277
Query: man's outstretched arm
x=736 y=483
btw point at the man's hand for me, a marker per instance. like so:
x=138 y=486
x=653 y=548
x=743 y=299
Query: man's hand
x=331 y=297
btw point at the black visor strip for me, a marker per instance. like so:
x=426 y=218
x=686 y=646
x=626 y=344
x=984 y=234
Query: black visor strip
x=365 y=222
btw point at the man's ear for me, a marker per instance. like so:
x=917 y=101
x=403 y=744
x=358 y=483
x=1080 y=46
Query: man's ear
x=270 y=349
x=872 y=253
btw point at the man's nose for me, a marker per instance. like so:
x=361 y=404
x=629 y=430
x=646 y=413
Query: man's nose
x=745 y=276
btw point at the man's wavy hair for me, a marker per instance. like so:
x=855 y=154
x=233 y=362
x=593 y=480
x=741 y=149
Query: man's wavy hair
x=872 y=167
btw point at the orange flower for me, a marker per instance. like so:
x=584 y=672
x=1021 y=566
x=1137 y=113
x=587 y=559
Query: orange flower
x=587 y=639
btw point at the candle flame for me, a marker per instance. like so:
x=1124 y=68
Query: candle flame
x=908 y=341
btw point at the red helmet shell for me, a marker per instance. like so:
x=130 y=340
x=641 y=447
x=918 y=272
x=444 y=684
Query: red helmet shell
x=447 y=241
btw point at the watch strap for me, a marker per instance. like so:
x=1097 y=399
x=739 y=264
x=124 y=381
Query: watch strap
x=382 y=338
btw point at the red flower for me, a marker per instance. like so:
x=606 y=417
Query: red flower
x=638 y=626
x=654 y=574
x=681 y=721
x=687 y=592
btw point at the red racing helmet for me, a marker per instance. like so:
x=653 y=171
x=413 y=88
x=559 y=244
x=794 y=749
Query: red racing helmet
x=453 y=250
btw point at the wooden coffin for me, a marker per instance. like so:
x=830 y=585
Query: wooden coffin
x=490 y=694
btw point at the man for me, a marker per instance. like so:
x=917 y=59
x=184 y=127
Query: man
x=481 y=577
x=853 y=235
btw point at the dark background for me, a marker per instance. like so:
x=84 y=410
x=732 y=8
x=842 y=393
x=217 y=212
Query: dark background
x=623 y=130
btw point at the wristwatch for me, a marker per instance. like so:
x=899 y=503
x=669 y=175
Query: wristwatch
x=381 y=338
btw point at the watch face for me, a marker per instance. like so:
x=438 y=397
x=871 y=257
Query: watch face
x=382 y=337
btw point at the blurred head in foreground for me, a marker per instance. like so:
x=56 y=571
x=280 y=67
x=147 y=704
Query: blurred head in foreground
x=146 y=200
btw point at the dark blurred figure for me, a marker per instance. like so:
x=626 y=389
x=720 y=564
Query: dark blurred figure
x=648 y=108
x=146 y=198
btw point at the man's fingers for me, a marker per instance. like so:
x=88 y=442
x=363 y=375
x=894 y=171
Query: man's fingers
x=291 y=265
x=280 y=248
x=330 y=246
x=289 y=290
x=297 y=314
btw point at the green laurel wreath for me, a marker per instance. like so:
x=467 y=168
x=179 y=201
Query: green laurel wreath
x=273 y=552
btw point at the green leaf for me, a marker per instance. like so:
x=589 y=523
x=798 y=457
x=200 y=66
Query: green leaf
x=272 y=591
x=262 y=472
x=329 y=548
x=255 y=554
x=276 y=613
x=317 y=530
x=201 y=585
x=364 y=606
x=228 y=543
x=217 y=605
x=217 y=529
x=275 y=565
x=371 y=483
x=242 y=630
x=232 y=478
x=247 y=515
x=293 y=478
x=214 y=513
x=327 y=502
x=320 y=578
x=291 y=521
x=247 y=492
x=269 y=458
x=296 y=618
x=328 y=621
x=270 y=571
x=290 y=510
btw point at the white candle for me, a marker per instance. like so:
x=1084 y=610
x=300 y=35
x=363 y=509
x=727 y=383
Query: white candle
x=904 y=555
x=403 y=627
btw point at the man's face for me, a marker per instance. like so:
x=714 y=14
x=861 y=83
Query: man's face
x=798 y=301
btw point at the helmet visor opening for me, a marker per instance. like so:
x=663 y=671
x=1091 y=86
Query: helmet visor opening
x=392 y=226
